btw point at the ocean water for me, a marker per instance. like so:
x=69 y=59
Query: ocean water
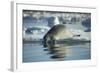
x=37 y=53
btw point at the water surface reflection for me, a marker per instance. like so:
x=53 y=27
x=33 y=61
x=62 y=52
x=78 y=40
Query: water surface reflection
x=37 y=53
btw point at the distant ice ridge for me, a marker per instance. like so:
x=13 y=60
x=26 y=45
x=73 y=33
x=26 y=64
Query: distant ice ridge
x=78 y=31
x=40 y=32
x=80 y=34
x=35 y=32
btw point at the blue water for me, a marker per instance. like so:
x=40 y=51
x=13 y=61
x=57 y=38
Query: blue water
x=36 y=53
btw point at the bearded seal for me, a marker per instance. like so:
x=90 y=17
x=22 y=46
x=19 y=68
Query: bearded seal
x=57 y=32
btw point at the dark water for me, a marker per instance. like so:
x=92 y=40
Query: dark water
x=37 y=53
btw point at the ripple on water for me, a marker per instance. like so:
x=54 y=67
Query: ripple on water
x=37 y=53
